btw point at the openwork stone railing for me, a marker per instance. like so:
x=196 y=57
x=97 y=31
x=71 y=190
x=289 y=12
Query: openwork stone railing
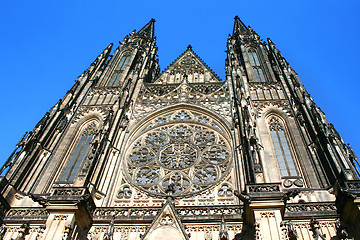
x=183 y=212
x=257 y=188
x=26 y=213
x=311 y=209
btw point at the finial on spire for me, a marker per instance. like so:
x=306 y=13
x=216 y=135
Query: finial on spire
x=148 y=29
x=270 y=42
x=239 y=26
x=189 y=47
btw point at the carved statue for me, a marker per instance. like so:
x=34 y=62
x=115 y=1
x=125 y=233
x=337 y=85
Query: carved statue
x=291 y=231
x=340 y=230
x=170 y=189
x=223 y=234
x=351 y=154
x=315 y=228
x=242 y=196
x=24 y=230
x=257 y=233
x=3 y=229
x=60 y=127
x=66 y=234
x=110 y=231
x=40 y=233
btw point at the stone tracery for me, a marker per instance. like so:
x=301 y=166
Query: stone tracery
x=184 y=151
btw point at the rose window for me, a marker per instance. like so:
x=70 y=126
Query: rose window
x=179 y=155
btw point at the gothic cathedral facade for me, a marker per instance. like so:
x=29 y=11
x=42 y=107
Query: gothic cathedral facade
x=134 y=153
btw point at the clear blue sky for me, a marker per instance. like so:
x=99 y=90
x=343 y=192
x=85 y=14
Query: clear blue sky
x=45 y=45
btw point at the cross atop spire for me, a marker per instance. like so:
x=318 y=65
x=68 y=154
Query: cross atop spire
x=149 y=29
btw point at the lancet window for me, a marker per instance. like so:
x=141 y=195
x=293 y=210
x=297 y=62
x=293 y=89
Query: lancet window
x=120 y=68
x=79 y=153
x=282 y=148
x=255 y=63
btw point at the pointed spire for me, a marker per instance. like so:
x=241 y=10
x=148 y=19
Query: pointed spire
x=103 y=55
x=96 y=68
x=107 y=49
x=149 y=29
x=239 y=26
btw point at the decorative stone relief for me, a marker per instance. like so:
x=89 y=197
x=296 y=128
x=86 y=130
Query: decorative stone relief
x=208 y=236
x=150 y=213
x=177 y=161
x=60 y=217
x=102 y=96
x=212 y=228
x=311 y=207
x=261 y=106
x=179 y=153
x=85 y=111
x=214 y=96
x=267 y=214
x=287 y=183
x=27 y=212
x=225 y=190
x=263 y=188
x=124 y=192
x=266 y=91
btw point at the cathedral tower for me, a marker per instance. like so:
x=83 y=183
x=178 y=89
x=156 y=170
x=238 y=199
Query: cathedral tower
x=132 y=153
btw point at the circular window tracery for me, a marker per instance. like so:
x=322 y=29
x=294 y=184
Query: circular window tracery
x=178 y=154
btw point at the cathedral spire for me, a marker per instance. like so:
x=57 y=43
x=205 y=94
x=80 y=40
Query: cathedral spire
x=148 y=29
x=107 y=50
x=239 y=26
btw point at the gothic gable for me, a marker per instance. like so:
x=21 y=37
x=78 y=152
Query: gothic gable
x=189 y=67
x=166 y=225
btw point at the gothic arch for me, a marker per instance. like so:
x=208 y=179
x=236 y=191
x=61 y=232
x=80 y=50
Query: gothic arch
x=182 y=149
x=267 y=108
x=121 y=65
x=123 y=60
x=223 y=123
x=257 y=66
x=89 y=113
x=283 y=146
x=81 y=134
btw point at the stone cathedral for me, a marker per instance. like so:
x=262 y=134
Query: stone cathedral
x=132 y=153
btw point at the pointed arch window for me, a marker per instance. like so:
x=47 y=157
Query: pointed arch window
x=79 y=153
x=123 y=61
x=282 y=148
x=255 y=63
x=125 y=58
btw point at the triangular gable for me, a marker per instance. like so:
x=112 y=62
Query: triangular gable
x=189 y=67
x=166 y=225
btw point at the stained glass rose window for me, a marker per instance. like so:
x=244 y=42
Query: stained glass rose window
x=178 y=154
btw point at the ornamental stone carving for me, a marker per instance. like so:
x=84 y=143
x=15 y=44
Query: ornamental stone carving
x=180 y=153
